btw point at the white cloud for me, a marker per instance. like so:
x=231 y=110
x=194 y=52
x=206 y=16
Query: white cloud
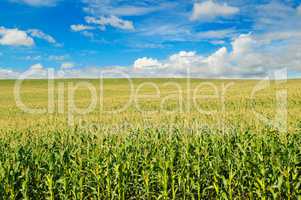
x=15 y=37
x=67 y=65
x=7 y=73
x=38 y=57
x=216 y=34
x=37 y=2
x=180 y=32
x=281 y=35
x=276 y=16
x=83 y=29
x=146 y=45
x=146 y=63
x=80 y=27
x=37 y=71
x=209 y=10
x=242 y=46
x=37 y=67
x=217 y=42
x=248 y=58
x=134 y=10
x=111 y=7
x=218 y=60
x=176 y=64
x=167 y=31
x=113 y=21
x=243 y=60
x=279 y=25
x=57 y=57
x=41 y=35
x=88 y=34
x=299 y=9
x=183 y=60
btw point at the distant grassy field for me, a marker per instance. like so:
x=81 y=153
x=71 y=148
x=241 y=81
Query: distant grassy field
x=172 y=139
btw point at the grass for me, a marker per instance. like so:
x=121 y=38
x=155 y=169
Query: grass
x=151 y=153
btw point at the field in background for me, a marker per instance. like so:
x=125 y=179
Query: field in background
x=166 y=144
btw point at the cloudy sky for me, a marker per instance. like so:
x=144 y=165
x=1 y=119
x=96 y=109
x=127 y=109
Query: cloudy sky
x=208 y=38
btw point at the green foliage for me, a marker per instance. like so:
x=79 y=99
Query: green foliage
x=151 y=164
x=134 y=155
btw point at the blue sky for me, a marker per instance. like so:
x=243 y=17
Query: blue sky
x=237 y=38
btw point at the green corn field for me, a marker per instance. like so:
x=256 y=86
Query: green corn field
x=163 y=145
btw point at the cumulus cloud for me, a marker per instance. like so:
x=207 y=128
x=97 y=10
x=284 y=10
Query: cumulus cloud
x=242 y=46
x=176 y=64
x=39 y=71
x=217 y=61
x=208 y=10
x=249 y=56
x=37 y=2
x=80 y=27
x=183 y=60
x=146 y=63
x=36 y=71
x=7 y=73
x=112 y=20
x=15 y=37
x=36 y=67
